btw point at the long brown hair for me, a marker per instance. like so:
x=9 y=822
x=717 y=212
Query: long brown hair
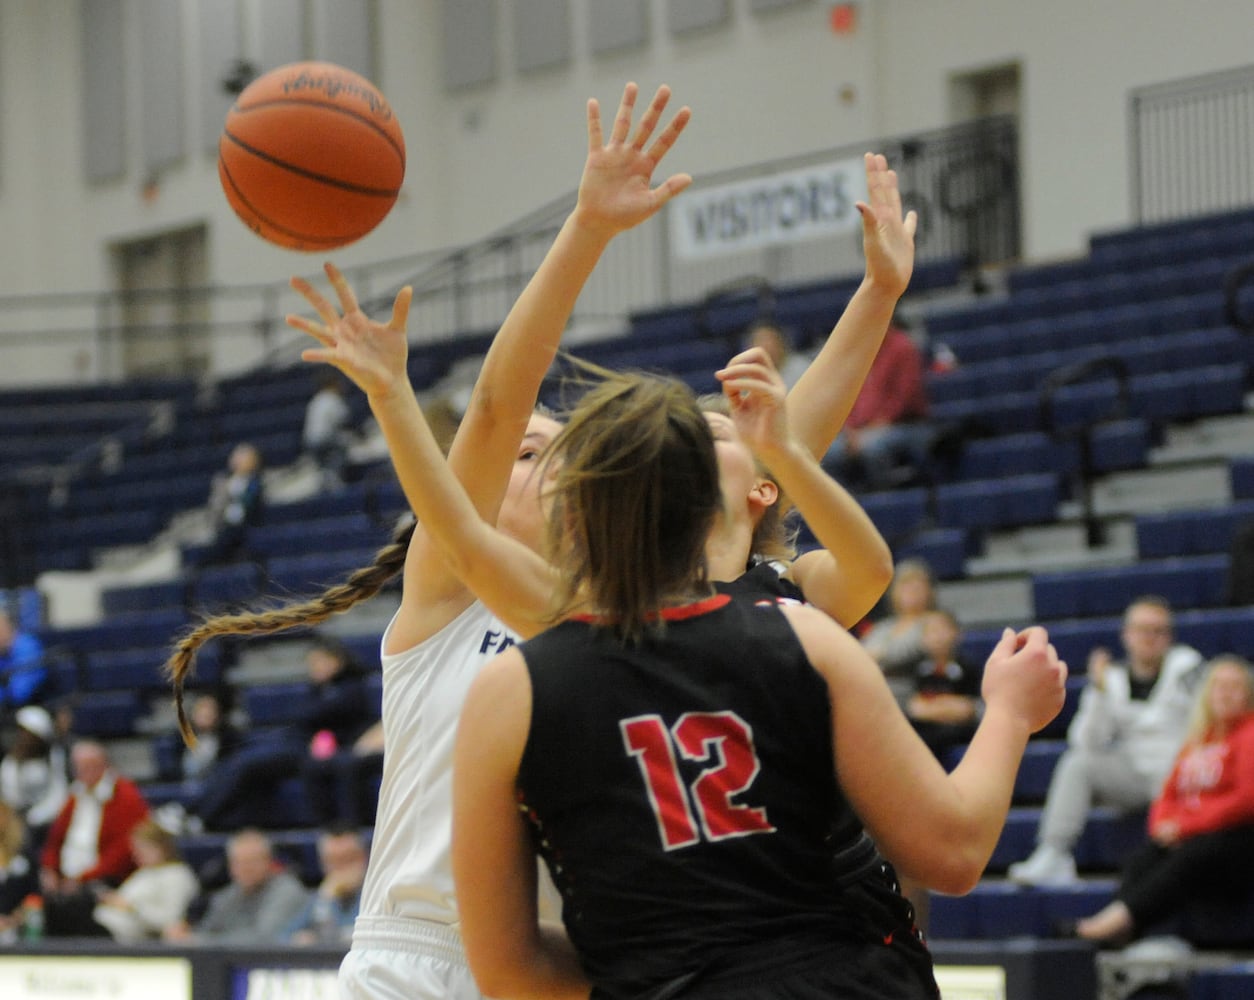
x=360 y=585
x=636 y=492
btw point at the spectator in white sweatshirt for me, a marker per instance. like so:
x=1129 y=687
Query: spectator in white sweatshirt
x=1132 y=720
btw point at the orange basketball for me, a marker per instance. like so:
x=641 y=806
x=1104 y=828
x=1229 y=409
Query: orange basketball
x=312 y=156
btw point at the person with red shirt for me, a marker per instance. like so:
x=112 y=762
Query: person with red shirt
x=1201 y=825
x=888 y=423
x=88 y=847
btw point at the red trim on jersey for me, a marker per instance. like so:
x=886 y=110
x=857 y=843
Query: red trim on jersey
x=675 y=614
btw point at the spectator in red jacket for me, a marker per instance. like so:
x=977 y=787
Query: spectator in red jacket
x=887 y=429
x=88 y=847
x=1201 y=825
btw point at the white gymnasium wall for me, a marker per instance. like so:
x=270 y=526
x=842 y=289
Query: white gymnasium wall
x=761 y=86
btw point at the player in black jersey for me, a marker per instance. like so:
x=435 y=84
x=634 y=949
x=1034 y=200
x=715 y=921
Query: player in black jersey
x=681 y=758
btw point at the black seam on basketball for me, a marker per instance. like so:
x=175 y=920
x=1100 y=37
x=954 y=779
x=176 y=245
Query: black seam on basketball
x=400 y=152
x=317 y=242
x=313 y=175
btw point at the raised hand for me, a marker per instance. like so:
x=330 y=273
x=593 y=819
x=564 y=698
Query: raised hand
x=370 y=353
x=887 y=236
x=756 y=394
x=615 y=192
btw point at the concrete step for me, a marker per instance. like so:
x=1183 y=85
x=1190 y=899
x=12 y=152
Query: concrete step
x=988 y=601
x=133 y=758
x=1163 y=488
x=1212 y=438
x=1055 y=547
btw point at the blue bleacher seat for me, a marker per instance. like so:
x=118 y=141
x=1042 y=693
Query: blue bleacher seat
x=273 y=704
x=897 y=514
x=943 y=549
x=1190 y=532
x=987 y=505
x=107 y=714
x=166 y=595
x=231 y=585
x=1233 y=983
x=123 y=669
x=1193 y=582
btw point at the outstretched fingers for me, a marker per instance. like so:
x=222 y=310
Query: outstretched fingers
x=320 y=333
x=400 y=308
x=622 y=120
x=596 y=138
x=652 y=115
x=320 y=305
x=672 y=132
x=348 y=299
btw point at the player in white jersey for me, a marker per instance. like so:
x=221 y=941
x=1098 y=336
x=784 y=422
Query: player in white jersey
x=406 y=943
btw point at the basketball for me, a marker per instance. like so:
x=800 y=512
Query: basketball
x=311 y=156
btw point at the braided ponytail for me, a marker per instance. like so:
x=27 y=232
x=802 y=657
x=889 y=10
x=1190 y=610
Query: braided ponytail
x=360 y=585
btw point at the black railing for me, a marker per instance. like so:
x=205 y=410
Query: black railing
x=962 y=180
x=1189 y=146
x=1080 y=431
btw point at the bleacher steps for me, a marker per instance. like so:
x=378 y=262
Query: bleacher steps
x=1055 y=546
x=1163 y=488
x=133 y=758
x=1213 y=438
x=272 y=662
x=989 y=601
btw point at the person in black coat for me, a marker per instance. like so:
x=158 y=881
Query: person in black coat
x=337 y=709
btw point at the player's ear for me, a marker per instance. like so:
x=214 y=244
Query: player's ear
x=764 y=494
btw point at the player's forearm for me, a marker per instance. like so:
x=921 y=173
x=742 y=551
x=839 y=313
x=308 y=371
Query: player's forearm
x=527 y=342
x=839 y=524
x=819 y=403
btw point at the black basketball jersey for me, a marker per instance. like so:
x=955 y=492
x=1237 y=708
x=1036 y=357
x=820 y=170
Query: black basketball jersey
x=683 y=794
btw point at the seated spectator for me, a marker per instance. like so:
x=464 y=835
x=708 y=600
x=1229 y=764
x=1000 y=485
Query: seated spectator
x=325 y=436
x=89 y=843
x=236 y=503
x=337 y=709
x=154 y=896
x=895 y=642
x=216 y=740
x=887 y=436
x=344 y=785
x=1201 y=825
x=260 y=902
x=790 y=364
x=945 y=706
x=328 y=918
x=33 y=776
x=17 y=875
x=22 y=669
x=1132 y=718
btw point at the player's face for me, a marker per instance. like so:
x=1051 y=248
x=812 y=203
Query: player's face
x=522 y=513
x=737 y=470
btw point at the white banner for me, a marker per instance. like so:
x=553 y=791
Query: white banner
x=766 y=211
x=64 y=977
x=974 y=982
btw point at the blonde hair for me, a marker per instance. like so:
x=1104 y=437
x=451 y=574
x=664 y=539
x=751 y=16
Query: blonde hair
x=360 y=585
x=773 y=538
x=914 y=569
x=636 y=492
x=152 y=832
x=1201 y=719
